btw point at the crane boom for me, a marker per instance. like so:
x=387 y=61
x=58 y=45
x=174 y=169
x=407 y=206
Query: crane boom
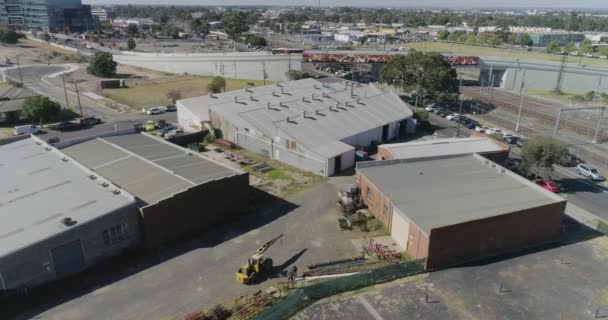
x=268 y=244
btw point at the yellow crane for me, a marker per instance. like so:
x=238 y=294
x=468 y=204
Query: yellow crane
x=256 y=264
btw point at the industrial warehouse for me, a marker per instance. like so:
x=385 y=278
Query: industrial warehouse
x=179 y=192
x=434 y=211
x=489 y=148
x=58 y=217
x=310 y=124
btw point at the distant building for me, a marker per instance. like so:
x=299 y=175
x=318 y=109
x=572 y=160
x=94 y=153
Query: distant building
x=46 y=15
x=543 y=39
x=124 y=23
x=216 y=25
x=349 y=36
x=102 y=14
x=11 y=100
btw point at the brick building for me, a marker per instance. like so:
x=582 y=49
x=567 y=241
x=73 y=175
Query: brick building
x=453 y=209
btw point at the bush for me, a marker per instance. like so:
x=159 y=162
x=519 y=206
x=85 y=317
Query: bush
x=374 y=224
x=421 y=115
x=217 y=84
x=102 y=65
x=8 y=36
x=497 y=136
x=209 y=138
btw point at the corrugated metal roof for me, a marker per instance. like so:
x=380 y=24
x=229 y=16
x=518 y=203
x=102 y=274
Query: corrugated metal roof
x=147 y=167
x=443 y=147
x=316 y=114
x=446 y=191
x=38 y=189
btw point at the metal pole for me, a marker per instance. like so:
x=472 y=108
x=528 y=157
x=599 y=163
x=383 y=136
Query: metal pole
x=19 y=69
x=559 y=115
x=599 y=126
x=491 y=88
x=78 y=96
x=459 y=118
x=65 y=91
x=521 y=105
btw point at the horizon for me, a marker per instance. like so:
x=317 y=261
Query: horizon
x=395 y=4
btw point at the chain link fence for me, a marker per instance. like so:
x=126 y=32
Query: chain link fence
x=301 y=298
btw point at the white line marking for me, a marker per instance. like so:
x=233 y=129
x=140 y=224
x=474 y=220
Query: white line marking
x=369 y=308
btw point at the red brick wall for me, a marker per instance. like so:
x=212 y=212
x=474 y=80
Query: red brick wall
x=496 y=235
x=191 y=212
x=418 y=243
x=377 y=203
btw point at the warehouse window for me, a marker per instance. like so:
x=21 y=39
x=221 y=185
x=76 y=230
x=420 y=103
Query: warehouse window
x=115 y=234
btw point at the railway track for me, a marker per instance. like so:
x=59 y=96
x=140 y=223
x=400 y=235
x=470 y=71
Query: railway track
x=536 y=109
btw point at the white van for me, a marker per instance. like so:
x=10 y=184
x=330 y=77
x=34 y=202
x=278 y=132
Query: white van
x=26 y=129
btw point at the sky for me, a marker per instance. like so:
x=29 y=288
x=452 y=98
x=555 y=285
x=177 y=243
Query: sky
x=599 y=4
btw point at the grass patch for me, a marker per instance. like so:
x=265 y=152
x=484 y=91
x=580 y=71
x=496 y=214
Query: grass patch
x=3 y=84
x=150 y=95
x=463 y=49
x=282 y=180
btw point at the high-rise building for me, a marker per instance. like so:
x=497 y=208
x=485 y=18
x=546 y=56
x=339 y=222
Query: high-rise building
x=46 y=15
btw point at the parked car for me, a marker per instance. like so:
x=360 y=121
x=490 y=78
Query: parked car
x=547 y=184
x=521 y=141
x=443 y=113
x=429 y=109
x=173 y=133
x=453 y=117
x=166 y=129
x=67 y=126
x=481 y=129
x=155 y=110
x=169 y=108
x=570 y=161
x=493 y=131
x=26 y=129
x=89 y=121
x=150 y=126
x=589 y=171
x=511 y=139
x=162 y=124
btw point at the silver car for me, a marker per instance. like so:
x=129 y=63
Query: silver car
x=590 y=172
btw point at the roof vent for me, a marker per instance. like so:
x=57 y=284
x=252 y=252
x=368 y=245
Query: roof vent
x=92 y=177
x=281 y=104
x=274 y=94
x=304 y=114
x=116 y=191
x=68 y=222
x=279 y=85
x=47 y=148
x=282 y=90
x=317 y=87
x=64 y=159
x=304 y=99
x=211 y=95
x=324 y=85
x=319 y=113
x=348 y=104
x=248 y=89
x=38 y=143
x=105 y=184
x=325 y=95
x=236 y=99
x=268 y=105
x=359 y=101
x=420 y=173
x=252 y=98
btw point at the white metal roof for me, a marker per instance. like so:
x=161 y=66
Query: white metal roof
x=40 y=186
x=317 y=114
x=443 y=147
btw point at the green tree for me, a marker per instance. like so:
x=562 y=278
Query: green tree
x=452 y=37
x=493 y=41
x=428 y=75
x=462 y=38
x=131 y=44
x=132 y=30
x=586 y=46
x=295 y=75
x=553 y=47
x=603 y=51
x=471 y=39
x=442 y=35
x=255 y=41
x=569 y=47
x=102 y=65
x=234 y=23
x=482 y=38
x=524 y=40
x=8 y=36
x=199 y=27
x=217 y=85
x=45 y=37
x=40 y=108
x=540 y=153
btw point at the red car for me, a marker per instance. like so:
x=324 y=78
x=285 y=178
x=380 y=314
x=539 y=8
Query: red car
x=547 y=184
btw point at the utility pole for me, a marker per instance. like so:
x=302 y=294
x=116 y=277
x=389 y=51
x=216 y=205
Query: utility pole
x=19 y=69
x=78 y=96
x=599 y=126
x=521 y=101
x=264 y=71
x=65 y=91
x=461 y=97
x=491 y=88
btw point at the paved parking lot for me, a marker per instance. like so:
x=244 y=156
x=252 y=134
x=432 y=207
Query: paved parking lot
x=566 y=282
x=178 y=281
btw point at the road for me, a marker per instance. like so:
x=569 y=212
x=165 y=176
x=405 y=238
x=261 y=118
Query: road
x=35 y=77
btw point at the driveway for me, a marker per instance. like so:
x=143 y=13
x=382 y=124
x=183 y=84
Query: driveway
x=201 y=273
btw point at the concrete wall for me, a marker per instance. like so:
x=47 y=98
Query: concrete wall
x=546 y=80
x=187 y=120
x=33 y=265
x=378 y=204
x=492 y=236
x=189 y=213
x=239 y=65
